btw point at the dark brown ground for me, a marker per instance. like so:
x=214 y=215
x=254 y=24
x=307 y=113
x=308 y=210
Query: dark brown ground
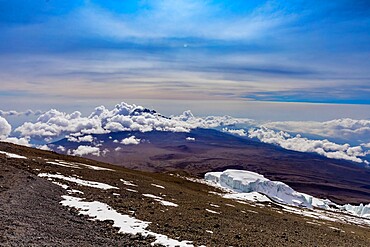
x=338 y=180
x=30 y=213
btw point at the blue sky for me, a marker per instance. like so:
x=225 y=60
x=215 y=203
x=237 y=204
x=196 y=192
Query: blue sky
x=72 y=53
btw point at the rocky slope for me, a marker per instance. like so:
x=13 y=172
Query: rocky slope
x=181 y=210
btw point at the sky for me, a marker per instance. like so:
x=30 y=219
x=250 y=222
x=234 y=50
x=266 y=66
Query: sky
x=296 y=59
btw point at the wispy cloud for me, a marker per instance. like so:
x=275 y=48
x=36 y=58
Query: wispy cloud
x=180 y=19
x=260 y=50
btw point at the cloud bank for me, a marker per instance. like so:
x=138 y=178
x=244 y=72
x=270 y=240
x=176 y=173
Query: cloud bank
x=301 y=144
x=54 y=125
x=342 y=129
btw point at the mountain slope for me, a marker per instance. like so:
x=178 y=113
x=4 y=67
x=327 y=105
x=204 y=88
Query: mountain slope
x=210 y=150
x=31 y=213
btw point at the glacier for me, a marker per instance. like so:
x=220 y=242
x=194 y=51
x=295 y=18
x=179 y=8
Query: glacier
x=241 y=183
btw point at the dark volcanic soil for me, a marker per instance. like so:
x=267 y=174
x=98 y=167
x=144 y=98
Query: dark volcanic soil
x=30 y=213
x=338 y=180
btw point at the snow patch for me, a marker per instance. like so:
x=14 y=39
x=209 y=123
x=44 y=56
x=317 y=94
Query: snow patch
x=152 y=196
x=64 y=186
x=158 y=186
x=161 y=201
x=71 y=191
x=13 y=156
x=126 y=224
x=82 y=182
x=167 y=203
x=128 y=183
x=63 y=164
x=211 y=211
x=97 y=168
x=131 y=190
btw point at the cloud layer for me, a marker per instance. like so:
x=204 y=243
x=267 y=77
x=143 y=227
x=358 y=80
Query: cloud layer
x=54 y=125
x=301 y=144
x=346 y=129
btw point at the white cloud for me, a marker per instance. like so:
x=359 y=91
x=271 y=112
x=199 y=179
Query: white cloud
x=5 y=128
x=114 y=127
x=301 y=144
x=105 y=151
x=239 y=132
x=85 y=150
x=211 y=121
x=24 y=141
x=61 y=148
x=44 y=147
x=190 y=138
x=53 y=124
x=179 y=19
x=132 y=140
x=87 y=138
x=366 y=145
